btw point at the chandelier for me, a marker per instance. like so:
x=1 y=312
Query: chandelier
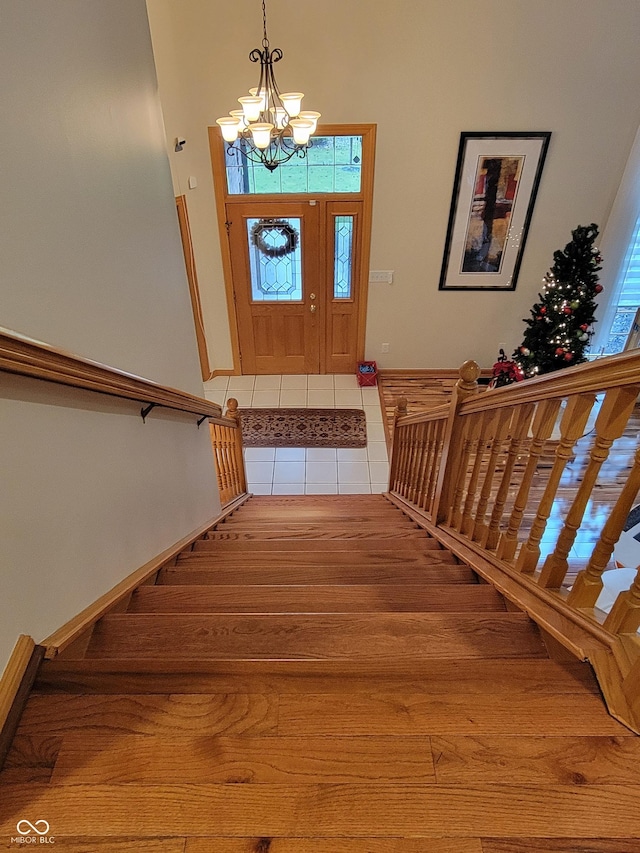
x=271 y=126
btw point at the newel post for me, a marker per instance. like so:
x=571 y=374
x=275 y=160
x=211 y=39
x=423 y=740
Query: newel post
x=399 y=411
x=466 y=386
x=233 y=414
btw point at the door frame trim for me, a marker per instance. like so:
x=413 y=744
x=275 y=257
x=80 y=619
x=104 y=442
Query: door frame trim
x=222 y=199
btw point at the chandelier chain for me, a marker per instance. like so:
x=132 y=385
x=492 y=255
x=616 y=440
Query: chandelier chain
x=265 y=40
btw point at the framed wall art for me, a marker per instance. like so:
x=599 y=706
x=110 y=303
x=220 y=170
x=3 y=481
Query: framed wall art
x=494 y=191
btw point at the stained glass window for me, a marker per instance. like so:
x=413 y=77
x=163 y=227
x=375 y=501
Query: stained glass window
x=275 y=259
x=333 y=164
x=343 y=255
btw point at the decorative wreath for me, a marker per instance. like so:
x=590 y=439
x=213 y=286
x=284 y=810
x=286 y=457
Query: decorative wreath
x=269 y=226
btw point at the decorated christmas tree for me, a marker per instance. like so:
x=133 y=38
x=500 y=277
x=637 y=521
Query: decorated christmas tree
x=561 y=322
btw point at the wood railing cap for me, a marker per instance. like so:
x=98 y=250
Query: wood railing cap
x=26 y=356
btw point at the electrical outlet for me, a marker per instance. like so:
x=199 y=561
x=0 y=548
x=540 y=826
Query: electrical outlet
x=385 y=348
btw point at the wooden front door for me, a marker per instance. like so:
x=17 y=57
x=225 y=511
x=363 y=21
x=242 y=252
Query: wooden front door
x=277 y=284
x=296 y=280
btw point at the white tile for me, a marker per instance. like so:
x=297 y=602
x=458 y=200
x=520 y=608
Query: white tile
x=322 y=399
x=354 y=489
x=243 y=398
x=321 y=489
x=351 y=398
x=375 y=432
x=241 y=383
x=377 y=451
x=259 y=488
x=379 y=472
x=321 y=454
x=370 y=396
x=294 y=383
x=218 y=383
x=322 y=472
x=379 y=488
x=320 y=382
x=214 y=396
x=290 y=454
x=259 y=472
x=345 y=381
x=268 y=382
x=353 y=472
x=352 y=454
x=288 y=472
x=259 y=454
x=288 y=489
x=293 y=398
x=373 y=413
x=266 y=399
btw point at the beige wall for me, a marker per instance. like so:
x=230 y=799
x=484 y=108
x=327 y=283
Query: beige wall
x=90 y=260
x=571 y=67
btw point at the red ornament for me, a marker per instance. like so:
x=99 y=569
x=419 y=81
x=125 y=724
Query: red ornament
x=598 y=288
x=584 y=327
x=566 y=310
x=568 y=356
x=559 y=351
x=543 y=310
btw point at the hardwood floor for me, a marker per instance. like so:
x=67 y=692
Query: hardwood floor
x=293 y=693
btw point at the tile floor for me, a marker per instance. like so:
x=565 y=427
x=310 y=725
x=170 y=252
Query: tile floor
x=310 y=471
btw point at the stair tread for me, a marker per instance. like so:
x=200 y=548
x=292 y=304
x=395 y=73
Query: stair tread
x=318 y=557
x=341 y=573
x=409 y=635
x=285 y=533
x=326 y=598
x=419 y=545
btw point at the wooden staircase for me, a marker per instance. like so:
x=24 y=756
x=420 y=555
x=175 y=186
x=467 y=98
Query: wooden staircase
x=317 y=673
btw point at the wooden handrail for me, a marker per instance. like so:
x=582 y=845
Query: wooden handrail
x=226 y=441
x=486 y=474
x=25 y=356
x=614 y=371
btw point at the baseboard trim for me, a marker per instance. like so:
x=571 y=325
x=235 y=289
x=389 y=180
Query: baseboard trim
x=15 y=685
x=75 y=627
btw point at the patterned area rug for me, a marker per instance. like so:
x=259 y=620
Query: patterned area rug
x=303 y=428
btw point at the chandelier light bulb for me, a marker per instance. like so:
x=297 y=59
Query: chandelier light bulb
x=261 y=133
x=312 y=116
x=229 y=125
x=292 y=102
x=280 y=118
x=239 y=115
x=302 y=130
x=264 y=97
x=251 y=106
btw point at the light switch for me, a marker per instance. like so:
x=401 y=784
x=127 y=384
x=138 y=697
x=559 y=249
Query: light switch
x=193 y=183
x=381 y=276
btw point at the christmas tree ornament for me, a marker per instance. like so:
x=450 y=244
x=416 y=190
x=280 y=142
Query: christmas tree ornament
x=559 y=327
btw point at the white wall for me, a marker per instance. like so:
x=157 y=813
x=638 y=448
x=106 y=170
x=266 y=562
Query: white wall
x=571 y=67
x=90 y=261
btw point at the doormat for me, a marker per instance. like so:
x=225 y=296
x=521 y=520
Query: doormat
x=303 y=428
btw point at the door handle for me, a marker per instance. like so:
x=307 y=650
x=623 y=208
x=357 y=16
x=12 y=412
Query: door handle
x=312 y=308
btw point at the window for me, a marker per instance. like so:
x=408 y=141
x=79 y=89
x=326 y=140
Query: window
x=628 y=302
x=333 y=164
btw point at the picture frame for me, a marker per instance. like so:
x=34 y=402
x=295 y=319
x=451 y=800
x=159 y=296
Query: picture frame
x=494 y=193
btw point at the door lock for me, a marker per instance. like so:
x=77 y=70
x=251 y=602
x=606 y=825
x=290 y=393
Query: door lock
x=312 y=296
